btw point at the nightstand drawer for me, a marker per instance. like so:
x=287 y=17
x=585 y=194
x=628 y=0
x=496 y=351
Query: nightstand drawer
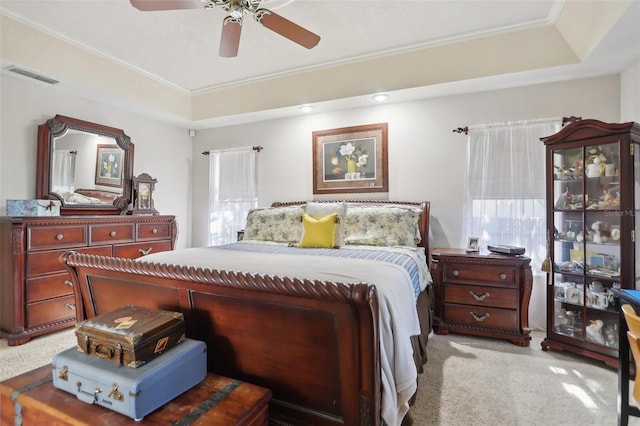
x=480 y=316
x=481 y=296
x=111 y=233
x=481 y=274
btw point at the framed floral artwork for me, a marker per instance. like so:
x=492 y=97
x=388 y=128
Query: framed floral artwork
x=109 y=165
x=350 y=159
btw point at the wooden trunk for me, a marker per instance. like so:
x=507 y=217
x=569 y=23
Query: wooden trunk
x=216 y=401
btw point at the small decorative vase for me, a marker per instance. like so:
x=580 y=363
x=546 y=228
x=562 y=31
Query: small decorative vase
x=351 y=165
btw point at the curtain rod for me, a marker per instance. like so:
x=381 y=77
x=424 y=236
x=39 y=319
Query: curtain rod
x=565 y=120
x=255 y=148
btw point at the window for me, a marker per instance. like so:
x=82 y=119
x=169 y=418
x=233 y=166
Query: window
x=233 y=191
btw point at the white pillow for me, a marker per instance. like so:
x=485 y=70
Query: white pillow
x=320 y=210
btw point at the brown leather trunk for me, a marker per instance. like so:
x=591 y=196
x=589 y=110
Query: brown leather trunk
x=130 y=335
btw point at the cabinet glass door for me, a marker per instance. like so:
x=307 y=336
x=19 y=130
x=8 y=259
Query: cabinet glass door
x=636 y=211
x=586 y=243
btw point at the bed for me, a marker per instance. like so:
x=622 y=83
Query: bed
x=338 y=334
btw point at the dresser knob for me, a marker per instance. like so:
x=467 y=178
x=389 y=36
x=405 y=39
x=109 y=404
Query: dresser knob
x=70 y=306
x=155 y=231
x=456 y=273
x=59 y=237
x=69 y=283
x=113 y=233
x=503 y=276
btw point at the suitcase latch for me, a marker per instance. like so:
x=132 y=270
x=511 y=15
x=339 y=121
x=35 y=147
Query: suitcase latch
x=62 y=374
x=115 y=393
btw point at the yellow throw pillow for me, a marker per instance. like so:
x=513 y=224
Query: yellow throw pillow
x=319 y=232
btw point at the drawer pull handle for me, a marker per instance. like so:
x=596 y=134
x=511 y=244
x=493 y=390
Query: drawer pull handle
x=69 y=283
x=155 y=231
x=113 y=233
x=479 y=297
x=479 y=318
x=59 y=237
x=145 y=252
x=503 y=276
x=456 y=273
x=70 y=306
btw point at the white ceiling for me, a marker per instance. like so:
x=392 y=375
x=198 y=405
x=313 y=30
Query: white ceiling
x=179 y=48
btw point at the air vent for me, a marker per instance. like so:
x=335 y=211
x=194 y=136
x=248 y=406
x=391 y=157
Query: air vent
x=33 y=75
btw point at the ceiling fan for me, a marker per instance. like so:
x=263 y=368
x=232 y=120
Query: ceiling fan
x=232 y=24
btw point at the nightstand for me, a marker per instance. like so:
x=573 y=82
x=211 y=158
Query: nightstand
x=482 y=294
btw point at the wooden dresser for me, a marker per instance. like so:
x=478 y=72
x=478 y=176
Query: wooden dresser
x=484 y=295
x=36 y=295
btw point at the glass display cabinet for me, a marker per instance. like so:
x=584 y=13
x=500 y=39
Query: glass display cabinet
x=593 y=180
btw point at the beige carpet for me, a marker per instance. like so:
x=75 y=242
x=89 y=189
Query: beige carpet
x=467 y=381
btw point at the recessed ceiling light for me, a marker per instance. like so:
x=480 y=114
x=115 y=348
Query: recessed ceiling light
x=380 y=97
x=306 y=108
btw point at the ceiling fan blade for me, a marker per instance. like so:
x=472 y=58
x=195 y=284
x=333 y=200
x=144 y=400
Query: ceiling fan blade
x=286 y=28
x=153 y=5
x=230 y=39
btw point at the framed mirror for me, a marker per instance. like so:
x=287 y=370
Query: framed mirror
x=86 y=166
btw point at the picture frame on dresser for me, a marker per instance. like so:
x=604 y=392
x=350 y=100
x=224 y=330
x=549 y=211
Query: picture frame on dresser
x=473 y=244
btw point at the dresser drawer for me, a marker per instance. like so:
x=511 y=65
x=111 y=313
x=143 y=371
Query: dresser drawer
x=481 y=296
x=133 y=251
x=48 y=287
x=483 y=274
x=481 y=316
x=153 y=231
x=47 y=262
x=49 y=237
x=111 y=233
x=53 y=310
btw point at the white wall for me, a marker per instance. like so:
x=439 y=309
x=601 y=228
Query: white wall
x=630 y=94
x=162 y=150
x=426 y=159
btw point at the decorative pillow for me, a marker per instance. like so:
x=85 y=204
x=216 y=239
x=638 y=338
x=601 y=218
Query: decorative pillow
x=382 y=226
x=280 y=224
x=319 y=232
x=320 y=210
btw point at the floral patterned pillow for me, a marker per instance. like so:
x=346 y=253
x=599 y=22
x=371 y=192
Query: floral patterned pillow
x=280 y=224
x=382 y=226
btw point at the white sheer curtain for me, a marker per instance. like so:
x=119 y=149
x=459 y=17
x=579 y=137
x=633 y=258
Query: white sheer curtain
x=504 y=197
x=233 y=190
x=63 y=171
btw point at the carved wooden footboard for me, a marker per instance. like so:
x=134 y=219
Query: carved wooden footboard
x=314 y=344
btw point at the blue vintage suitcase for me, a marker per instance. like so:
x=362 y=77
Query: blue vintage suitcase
x=134 y=392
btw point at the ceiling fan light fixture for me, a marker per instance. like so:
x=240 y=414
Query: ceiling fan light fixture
x=306 y=108
x=380 y=97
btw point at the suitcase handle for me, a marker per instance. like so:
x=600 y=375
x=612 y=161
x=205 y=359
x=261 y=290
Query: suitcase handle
x=98 y=350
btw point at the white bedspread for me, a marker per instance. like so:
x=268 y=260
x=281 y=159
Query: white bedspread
x=397 y=313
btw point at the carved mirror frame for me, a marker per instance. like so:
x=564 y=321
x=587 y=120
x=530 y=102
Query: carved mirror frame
x=58 y=126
